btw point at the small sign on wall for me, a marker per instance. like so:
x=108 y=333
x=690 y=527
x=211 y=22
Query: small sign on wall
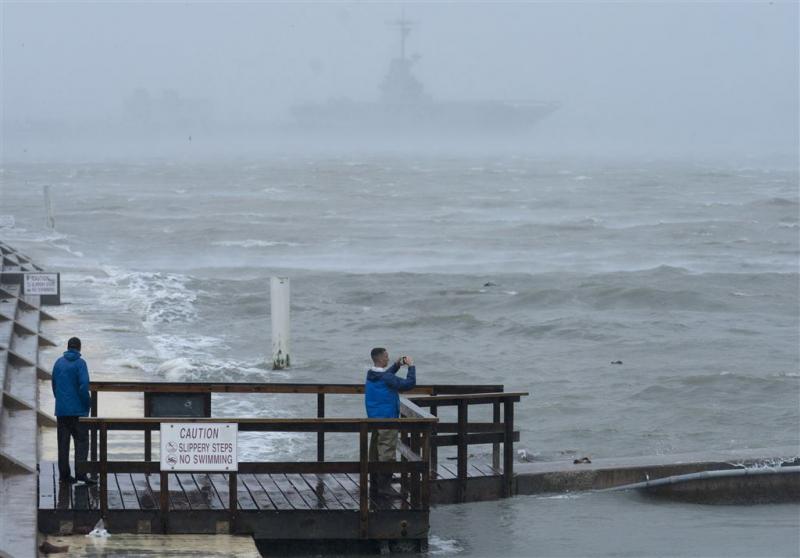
x=199 y=446
x=40 y=284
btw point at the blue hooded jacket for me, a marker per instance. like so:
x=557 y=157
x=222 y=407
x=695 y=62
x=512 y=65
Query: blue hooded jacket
x=71 y=385
x=381 y=392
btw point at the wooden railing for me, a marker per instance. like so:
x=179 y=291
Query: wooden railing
x=413 y=467
x=287 y=388
x=464 y=433
x=460 y=434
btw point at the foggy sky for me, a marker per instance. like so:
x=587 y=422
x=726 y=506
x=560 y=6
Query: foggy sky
x=697 y=76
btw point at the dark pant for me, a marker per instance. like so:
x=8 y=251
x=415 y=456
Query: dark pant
x=69 y=427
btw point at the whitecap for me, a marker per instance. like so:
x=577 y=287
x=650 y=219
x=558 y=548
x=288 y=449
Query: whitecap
x=159 y=298
x=175 y=370
x=438 y=546
x=168 y=346
x=253 y=243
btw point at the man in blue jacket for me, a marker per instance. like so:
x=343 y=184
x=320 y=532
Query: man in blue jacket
x=382 y=399
x=71 y=390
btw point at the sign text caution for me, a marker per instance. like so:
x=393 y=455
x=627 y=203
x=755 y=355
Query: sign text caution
x=198 y=446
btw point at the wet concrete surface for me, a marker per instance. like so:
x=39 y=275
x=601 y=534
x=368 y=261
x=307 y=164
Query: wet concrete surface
x=211 y=546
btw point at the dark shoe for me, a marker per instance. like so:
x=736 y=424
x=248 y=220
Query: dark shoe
x=67 y=480
x=87 y=481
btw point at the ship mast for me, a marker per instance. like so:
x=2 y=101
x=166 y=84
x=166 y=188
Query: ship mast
x=405 y=28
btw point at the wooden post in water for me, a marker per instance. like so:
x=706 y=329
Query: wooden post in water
x=279 y=311
x=49 y=220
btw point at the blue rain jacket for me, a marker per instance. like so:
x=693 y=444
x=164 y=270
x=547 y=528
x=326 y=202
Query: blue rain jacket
x=381 y=392
x=71 y=385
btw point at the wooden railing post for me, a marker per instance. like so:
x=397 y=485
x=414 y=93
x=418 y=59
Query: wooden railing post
x=508 y=448
x=363 y=492
x=416 y=478
x=434 y=455
x=462 y=449
x=320 y=434
x=232 y=499
x=496 y=445
x=93 y=437
x=148 y=434
x=405 y=490
x=426 y=456
x=103 y=470
x=163 y=500
x=148 y=445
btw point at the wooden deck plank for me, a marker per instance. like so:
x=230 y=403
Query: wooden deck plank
x=473 y=471
x=348 y=485
x=147 y=498
x=177 y=496
x=377 y=502
x=257 y=492
x=196 y=499
x=289 y=492
x=308 y=494
x=487 y=470
x=115 y=501
x=245 y=499
x=221 y=486
x=154 y=487
x=274 y=492
x=212 y=496
x=333 y=486
x=449 y=471
x=129 y=498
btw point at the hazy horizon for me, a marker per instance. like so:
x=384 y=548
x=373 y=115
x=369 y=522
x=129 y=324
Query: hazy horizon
x=649 y=79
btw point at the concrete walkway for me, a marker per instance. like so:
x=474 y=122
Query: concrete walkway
x=566 y=476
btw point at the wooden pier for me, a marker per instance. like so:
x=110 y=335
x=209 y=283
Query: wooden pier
x=314 y=499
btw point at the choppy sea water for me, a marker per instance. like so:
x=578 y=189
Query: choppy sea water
x=535 y=274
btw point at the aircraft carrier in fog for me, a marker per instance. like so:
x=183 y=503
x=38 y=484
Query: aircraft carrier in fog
x=405 y=109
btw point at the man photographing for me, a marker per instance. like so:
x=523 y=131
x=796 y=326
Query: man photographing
x=382 y=399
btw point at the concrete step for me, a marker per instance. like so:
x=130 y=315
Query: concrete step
x=3 y=369
x=22 y=382
x=27 y=318
x=18 y=515
x=8 y=305
x=18 y=436
x=6 y=329
x=27 y=346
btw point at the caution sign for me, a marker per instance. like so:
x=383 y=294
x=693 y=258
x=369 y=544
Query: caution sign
x=41 y=284
x=199 y=446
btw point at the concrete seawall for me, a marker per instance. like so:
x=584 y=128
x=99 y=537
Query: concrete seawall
x=604 y=473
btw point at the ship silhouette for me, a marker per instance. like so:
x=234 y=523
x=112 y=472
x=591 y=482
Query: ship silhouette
x=405 y=109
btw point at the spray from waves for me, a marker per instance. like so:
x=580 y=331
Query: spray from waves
x=159 y=298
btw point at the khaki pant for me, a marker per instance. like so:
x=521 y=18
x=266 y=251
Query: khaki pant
x=382 y=447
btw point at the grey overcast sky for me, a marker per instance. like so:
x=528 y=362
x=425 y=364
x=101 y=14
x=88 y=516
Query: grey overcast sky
x=700 y=73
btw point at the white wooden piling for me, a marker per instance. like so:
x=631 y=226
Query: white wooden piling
x=49 y=220
x=279 y=310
